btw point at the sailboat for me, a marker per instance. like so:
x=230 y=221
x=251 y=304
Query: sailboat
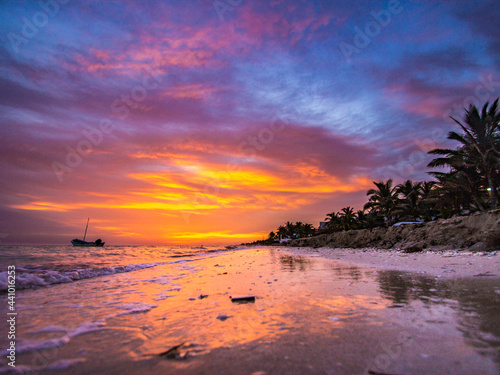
x=83 y=243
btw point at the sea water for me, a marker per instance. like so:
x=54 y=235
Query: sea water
x=39 y=266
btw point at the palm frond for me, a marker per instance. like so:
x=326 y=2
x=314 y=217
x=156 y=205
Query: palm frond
x=440 y=162
x=442 y=151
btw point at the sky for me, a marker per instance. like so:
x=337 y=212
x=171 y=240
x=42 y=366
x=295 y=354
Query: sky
x=213 y=122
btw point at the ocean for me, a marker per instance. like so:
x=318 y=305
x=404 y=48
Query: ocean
x=39 y=266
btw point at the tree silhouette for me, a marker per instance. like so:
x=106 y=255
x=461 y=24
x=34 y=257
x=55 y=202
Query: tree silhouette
x=477 y=159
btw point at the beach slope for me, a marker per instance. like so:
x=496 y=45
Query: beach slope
x=478 y=232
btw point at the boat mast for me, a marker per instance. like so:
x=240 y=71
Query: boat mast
x=86 y=228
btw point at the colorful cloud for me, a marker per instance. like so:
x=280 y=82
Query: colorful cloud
x=169 y=122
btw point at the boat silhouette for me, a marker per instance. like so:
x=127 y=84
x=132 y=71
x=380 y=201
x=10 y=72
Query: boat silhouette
x=83 y=243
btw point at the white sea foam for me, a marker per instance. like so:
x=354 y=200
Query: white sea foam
x=50 y=329
x=26 y=278
x=135 y=308
x=40 y=266
x=27 y=346
x=180 y=261
x=33 y=345
x=48 y=277
x=163 y=295
x=163 y=280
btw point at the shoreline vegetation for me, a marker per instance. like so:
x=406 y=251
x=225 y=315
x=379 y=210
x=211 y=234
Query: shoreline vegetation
x=476 y=232
x=458 y=209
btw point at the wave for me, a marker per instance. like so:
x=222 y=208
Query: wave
x=44 y=278
x=32 y=277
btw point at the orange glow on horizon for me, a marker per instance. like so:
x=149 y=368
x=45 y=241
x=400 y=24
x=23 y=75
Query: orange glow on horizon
x=195 y=201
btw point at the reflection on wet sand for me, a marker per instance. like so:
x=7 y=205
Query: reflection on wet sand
x=474 y=303
x=310 y=315
x=294 y=262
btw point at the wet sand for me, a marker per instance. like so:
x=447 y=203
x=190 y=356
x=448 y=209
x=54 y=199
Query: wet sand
x=447 y=264
x=312 y=315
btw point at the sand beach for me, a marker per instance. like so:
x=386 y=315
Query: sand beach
x=440 y=264
x=316 y=311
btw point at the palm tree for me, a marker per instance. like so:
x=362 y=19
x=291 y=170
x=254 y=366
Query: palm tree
x=463 y=184
x=299 y=229
x=308 y=230
x=383 y=200
x=428 y=200
x=479 y=150
x=290 y=229
x=410 y=192
x=282 y=232
x=347 y=218
x=459 y=189
x=427 y=187
x=304 y=229
x=361 y=219
x=293 y=230
x=333 y=221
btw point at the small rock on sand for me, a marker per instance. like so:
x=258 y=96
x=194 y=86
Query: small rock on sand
x=248 y=298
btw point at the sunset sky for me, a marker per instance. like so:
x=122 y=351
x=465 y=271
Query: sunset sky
x=209 y=122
